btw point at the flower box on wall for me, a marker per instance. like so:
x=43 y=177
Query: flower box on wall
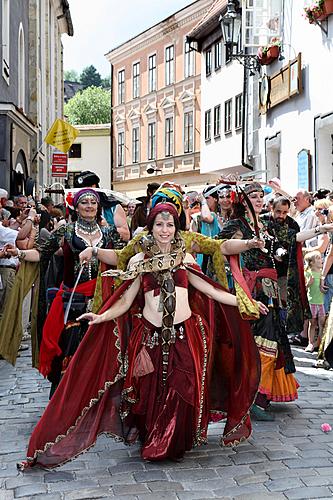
x=266 y=55
x=319 y=10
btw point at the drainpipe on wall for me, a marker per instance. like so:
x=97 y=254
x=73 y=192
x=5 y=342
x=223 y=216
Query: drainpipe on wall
x=244 y=126
x=111 y=129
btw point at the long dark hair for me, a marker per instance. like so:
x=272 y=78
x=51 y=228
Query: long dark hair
x=237 y=210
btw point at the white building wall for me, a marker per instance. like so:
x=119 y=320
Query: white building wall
x=224 y=152
x=95 y=156
x=295 y=119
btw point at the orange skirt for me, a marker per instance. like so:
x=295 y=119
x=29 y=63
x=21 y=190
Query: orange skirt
x=276 y=384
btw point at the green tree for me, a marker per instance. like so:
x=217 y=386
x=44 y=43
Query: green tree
x=90 y=106
x=106 y=82
x=90 y=77
x=72 y=76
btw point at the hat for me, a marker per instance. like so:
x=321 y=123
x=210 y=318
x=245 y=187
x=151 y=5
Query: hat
x=224 y=189
x=206 y=192
x=252 y=188
x=83 y=193
x=164 y=195
x=86 y=179
x=321 y=193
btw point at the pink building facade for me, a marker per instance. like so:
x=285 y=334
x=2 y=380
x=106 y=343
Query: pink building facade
x=156 y=111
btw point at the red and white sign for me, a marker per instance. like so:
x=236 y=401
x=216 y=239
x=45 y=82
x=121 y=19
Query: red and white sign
x=59 y=165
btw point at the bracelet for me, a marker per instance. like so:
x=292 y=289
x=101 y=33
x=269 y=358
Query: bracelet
x=317 y=230
x=94 y=252
x=21 y=254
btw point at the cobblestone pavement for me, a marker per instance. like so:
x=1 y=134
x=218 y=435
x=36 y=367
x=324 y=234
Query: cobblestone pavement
x=288 y=458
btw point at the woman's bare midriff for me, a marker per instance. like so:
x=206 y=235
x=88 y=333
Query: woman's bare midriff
x=150 y=311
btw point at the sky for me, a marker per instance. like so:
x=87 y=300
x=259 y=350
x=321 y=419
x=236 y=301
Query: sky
x=101 y=25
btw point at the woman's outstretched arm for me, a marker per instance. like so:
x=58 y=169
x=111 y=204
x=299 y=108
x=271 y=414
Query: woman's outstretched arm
x=219 y=295
x=108 y=256
x=118 y=308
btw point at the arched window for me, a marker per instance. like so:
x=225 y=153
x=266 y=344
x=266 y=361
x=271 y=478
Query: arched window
x=21 y=69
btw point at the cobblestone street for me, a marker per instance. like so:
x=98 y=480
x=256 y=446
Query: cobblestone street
x=288 y=458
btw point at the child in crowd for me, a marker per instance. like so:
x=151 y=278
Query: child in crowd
x=313 y=268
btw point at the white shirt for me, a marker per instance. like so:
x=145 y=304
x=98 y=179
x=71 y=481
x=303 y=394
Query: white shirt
x=308 y=220
x=8 y=235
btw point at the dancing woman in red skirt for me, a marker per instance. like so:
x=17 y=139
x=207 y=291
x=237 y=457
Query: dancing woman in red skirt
x=167 y=351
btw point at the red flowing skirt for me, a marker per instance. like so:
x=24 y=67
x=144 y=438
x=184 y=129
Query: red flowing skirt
x=166 y=415
x=114 y=385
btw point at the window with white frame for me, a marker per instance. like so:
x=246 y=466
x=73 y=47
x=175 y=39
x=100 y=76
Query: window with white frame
x=152 y=73
x=152 y=141
x=136 y=80
x=238 y=111
x=217 y=121
x=208 y=125
x=169 y=65
x=208 y=57
x=5 y=39
x=121 y=149
x=121 y=86
x=21 y=69
x=218 y=55
x=227 y=116
x=135 y=145
x=169 y=136
x=188 y=132
x=188 y=60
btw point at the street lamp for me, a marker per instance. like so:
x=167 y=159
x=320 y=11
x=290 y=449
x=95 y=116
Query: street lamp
x=231 y=23
x=151 y=169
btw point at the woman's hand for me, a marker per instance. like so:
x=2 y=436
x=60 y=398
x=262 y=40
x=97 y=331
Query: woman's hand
x=256 y=243
x=10 y=250
x=93 y=319
x=85 y=255
x=262 y=308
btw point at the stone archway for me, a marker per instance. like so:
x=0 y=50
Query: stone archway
x=19 y=174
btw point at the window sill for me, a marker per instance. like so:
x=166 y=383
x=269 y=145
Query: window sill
x=228 y=132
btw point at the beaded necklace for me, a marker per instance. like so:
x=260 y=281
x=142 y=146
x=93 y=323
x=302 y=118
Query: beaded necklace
x=86 y=227
x=90 y=228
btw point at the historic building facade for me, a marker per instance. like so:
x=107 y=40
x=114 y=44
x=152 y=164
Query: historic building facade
x=274 y=119
x=156 y=110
